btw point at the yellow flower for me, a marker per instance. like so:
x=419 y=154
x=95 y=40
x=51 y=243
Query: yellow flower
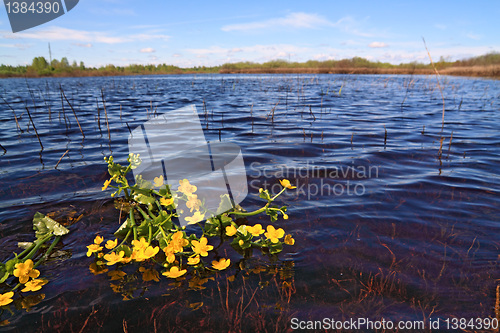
x=6 y=298
x=221 y=264
x=193 y=203
x=201 y=247
x=114 y=258
x=256 y=230
x=231 y=230
x=194 y=260
x=289 y=240
x=106 y=184
x=197 y=217
x=158 y=181
x=274 y=234
x=178 y=242
x=140 y=244
x=241 y=242
x=166 y=202
x=286 y=183
x=186 y=188
x=98 y=240
x=285 y=216
x=24 y=271
x=169 y=252
x=126 y=260
x=149 y=274
x=146 y=253
x=116 y=274
x=111 y=244
x=175 y=272
x=93 y=248
x=34 y=285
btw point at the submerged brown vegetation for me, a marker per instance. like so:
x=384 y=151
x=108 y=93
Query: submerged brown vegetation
x=487 y=65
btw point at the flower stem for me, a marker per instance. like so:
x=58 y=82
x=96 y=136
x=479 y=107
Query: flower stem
x=33 y=251
x=255 y=212
x=46 y=255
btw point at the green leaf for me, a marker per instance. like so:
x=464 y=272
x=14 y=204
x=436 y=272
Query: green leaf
x=144 y=199
x=225 y=204
x=9 y=265
x=124 y=248
x=164 y=191
x=225 y=220
x=123 y=229
x=115 y=169
x=142 y=183
x=211 y=226
x=163 y=219
x=44 y=225
x=276 y=248
x=264 y=195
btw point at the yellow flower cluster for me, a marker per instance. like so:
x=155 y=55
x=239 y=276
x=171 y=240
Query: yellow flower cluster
x=176 y=245
x=272 y=233
x=141 y=251
x=193 y=203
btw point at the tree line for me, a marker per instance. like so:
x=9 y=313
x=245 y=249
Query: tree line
x=41 y=67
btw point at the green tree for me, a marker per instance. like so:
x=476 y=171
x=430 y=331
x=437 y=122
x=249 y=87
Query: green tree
x=39 y=64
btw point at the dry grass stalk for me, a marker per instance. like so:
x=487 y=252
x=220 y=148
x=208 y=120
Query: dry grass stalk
x=437 y=79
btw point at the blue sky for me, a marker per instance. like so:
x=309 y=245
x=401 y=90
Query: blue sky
x=197 y=33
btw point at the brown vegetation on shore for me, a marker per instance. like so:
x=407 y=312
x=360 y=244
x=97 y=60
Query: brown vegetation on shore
x=476 y=71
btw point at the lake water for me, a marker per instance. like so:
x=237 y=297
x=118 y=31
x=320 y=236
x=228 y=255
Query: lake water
x=387 y=224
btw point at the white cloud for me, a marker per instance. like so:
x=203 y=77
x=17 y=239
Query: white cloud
x=58 y=34
x=16 y=46
x=377 y=45
x=256 y=52
x=147 y=36
x=83 y=45
x=292 y=20
x=147 y=50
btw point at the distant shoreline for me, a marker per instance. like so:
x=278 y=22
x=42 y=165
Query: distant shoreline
x=491 y=71
x=474 y=71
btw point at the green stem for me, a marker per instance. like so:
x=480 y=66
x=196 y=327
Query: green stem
x=127 y=195
x=150 y=234
x=255 y=212
x=33 y=251
x=46 y=255
x=134 y=226
x=143 y=213
x=28 y=249
x=151 y=215
x=277 y=195
x=126 y=237
x=134 y=229
x=162 y=231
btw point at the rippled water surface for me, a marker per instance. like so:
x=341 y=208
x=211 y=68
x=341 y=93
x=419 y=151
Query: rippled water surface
x=394 y=216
